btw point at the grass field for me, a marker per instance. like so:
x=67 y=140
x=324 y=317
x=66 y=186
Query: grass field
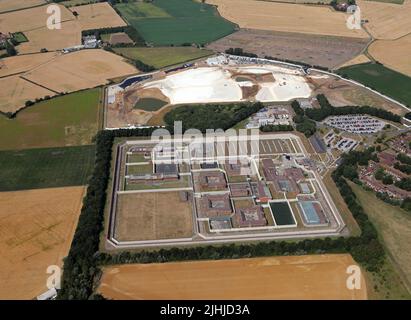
x=298 y=277
x=166 y=22
x=163 y=57
x=63 y=121
x=19 y=37
x=394 y=227
x=36 y=230
x=382 y=79
x=45 y=168
x=151 y=216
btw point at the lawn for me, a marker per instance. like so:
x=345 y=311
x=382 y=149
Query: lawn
x=46 y=167
x=382 y=79
x=393 y=225
x=175 y=22
x=163 y=56
x=19 y=37
x=62 y=121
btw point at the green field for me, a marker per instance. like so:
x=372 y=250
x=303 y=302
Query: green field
x=62 y=121
x=72 y=3
x=394 y=227
x=175 y=22
x=46 y=168
x=382 y=79
x=389 y=1
x=161 y=57
x=20 y=37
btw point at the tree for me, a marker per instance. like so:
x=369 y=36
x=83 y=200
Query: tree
x=387 y=179
x=379 y=174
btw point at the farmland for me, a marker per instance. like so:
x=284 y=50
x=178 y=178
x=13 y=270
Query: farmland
x=45 y=168
x=313 y=49
x=313 y=277
x=286 y=17
x=36 y=229
x=387 y=21
x=161 y=57
x=175 y=22
x=154 y=215
x=393 y=225
x=62 y=121
x=10 y=5
x=382 y=79
x=393 y=53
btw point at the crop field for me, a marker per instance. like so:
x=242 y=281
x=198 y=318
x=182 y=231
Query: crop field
x=15 y=91
x=294 y=277
x=36 y=229
x=62 y=121
x=80 y=70
x=31 y=21
x=166 y=22
x=10 y=5
x=46 y=168
x=394 y=226
x=382 y=79
x=286 y=17
x=151 y=216
x=162 y=57
x=98 y=15
x=393 y=53
x=386 y=21
x=313 y=49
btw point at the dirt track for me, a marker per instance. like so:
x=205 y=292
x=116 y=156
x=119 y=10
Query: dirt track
x=300 y=277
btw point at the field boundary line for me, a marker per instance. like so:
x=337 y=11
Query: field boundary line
x=44 y=87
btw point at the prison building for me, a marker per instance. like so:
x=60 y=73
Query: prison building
x=209 y=165
x=212 y=206
x=151 y=177
x=212 y=180
x=166 y=168
x=250 y=217
x=261 y=192
x=238 y=168
x=240 y=190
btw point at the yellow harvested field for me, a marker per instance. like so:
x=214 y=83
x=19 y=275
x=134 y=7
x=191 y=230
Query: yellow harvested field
x=29 y=19
x=8 y=5
x=19 y=64
x=14 y=92
x=80 y=70
x=36 y=229
x=68 y=36
x=292 y=277
x=286 y=17
x=386 y=20
x=395 y=54
x=362 y=58
x=98 y=15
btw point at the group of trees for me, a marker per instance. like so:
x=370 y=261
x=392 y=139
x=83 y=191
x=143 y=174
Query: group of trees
x=303 y=123
x=240 y=52
x=276 y=128
x=213 y=116
x=129 y=30
x=326 y=110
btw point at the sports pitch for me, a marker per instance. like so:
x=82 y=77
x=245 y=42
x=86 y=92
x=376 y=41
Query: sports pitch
x=382 y=79
x=175 y=22
x=45 y=168
x=62 y=121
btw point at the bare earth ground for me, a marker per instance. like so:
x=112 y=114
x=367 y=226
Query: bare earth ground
x=154 y=215
x=33 y=23
x=386 y=20
x=293 y=277
x=14 y=92
x=313 y=49
x=8 y=5
x=342 y=93
x=394 y=54
x=362 y=58
x=79 y=70
x=36 y=229
x=97 y=15
x=286 y=17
